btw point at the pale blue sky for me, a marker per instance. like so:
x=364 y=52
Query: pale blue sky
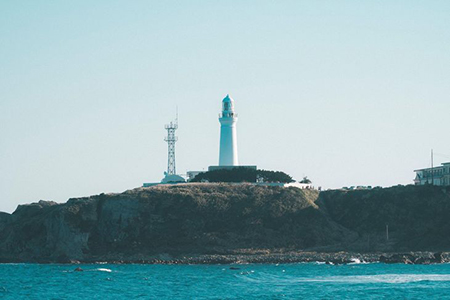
x=345 y=92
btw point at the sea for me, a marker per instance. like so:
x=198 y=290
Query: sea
x=252 y=281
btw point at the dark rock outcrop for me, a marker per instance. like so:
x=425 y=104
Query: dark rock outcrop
x=144 y=222
x=417 y=217
x=417 y=258
x=230 y=223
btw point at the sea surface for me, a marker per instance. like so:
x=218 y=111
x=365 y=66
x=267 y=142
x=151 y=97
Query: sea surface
x=290 y=281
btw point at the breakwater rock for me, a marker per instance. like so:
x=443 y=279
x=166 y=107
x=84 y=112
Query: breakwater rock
x=232 y=223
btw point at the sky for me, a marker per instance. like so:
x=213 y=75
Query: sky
x=345 y=92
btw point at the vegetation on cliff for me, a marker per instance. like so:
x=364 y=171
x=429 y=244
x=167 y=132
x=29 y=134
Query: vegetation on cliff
x=242 y=174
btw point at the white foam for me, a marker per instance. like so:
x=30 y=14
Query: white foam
x=104 y=270
x=383 y=278
x=351 y=279
x=355 y=261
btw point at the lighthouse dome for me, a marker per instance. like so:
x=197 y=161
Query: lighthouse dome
x=228 y=103
x=227 y=99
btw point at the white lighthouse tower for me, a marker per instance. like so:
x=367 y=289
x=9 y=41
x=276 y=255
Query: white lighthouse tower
x=228 y=139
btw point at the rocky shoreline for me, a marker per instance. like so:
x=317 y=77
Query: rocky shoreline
x=330 y=258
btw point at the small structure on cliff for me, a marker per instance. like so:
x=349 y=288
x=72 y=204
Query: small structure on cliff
x=439 y=175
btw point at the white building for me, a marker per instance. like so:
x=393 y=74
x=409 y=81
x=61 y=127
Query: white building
x=228 y=138
x=439 y=175
x=228 y=151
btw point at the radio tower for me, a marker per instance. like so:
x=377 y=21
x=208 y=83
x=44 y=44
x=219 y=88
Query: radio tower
x=171 y=140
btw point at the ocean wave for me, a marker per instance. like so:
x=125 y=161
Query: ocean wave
x=103 y=270
x=98 y=270
x=351 y=279
x=357 y=261
x=382 y=278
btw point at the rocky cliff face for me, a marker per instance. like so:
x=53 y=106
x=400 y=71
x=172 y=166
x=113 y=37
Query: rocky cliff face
x=417 y=217
x=221 y=218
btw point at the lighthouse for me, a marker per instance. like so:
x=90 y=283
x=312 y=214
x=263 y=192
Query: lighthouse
x=228 y=155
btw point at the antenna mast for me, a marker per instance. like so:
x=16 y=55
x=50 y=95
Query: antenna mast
x=171 y=139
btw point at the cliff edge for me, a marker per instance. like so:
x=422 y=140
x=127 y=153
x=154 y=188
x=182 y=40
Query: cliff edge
x=208 y=219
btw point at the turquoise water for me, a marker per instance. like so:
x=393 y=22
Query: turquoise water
x=293 y=281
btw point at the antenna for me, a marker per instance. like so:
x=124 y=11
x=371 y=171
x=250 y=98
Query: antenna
x=171 y=139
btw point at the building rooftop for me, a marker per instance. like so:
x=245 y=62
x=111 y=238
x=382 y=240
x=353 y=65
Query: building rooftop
x=435 y=167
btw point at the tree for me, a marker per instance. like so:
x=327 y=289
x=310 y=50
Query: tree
x=237 y=174
x=305 y=180
x=273 y=176
x=243 y=174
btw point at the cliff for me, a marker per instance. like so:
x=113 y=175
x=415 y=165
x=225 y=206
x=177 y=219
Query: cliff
x=145 y=223
x=418 y=217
